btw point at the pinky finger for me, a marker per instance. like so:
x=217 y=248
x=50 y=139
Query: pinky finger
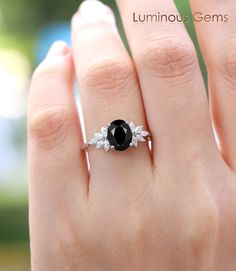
x=57 y=168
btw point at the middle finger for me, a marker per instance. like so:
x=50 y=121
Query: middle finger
x=174 y=94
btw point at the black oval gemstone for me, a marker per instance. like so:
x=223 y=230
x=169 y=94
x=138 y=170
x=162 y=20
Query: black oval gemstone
x=119 y=135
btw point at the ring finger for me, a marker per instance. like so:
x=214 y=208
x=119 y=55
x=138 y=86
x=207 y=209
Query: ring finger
x=108 y=89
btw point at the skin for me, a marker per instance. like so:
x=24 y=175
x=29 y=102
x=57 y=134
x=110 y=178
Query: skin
x=171 y=209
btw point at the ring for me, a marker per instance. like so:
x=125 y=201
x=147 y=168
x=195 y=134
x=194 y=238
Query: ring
x=118 y=135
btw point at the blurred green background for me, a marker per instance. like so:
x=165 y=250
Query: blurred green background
x=27 y=29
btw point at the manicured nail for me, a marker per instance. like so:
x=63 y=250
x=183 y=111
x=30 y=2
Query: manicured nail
x=58 y=48
x=94 y=10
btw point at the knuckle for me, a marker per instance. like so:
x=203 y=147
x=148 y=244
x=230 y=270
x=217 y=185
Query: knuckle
x=170 y=58
x=62 y=243
x=51 y=70
x=67 y=242
x=203 y=228
x=139 y=227
x=108 y=74
x=50 y=125
x=227 y=62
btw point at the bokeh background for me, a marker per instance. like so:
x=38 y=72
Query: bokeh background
x=27 y=29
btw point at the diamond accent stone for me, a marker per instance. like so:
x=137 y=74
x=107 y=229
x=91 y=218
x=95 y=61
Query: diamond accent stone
x=104 y=131
x=138 y=129
x=140 y=138
x=135 y=141
x=144 y=133
x=93 y=141
x=106 y=145
x=99 y=144
x=98 y=136
x=138 y=134
x=132 y=127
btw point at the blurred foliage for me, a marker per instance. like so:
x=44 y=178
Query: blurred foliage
x=14 y=223
x=14 y=257
x=28 y=15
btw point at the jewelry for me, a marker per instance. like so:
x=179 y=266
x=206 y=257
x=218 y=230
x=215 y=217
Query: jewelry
x=118 y=135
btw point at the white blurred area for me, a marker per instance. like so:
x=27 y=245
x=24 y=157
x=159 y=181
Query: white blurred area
x=14 y=78
x=14 y=83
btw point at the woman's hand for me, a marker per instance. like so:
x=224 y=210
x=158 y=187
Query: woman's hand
x=172 y=209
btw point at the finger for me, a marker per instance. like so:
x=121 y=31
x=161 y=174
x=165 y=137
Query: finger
x=108 y=89
x=218 y=42
x=174 y=96
x=57 y=169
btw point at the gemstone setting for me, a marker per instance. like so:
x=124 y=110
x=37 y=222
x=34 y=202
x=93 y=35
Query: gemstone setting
x=119 y=135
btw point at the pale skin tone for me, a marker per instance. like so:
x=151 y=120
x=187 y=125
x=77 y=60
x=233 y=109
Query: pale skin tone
x=171 y=209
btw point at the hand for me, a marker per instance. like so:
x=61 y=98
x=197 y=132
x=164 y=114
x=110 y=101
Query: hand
x=172 y=209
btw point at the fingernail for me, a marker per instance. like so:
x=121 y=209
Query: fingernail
x=94 y=10
x=58 y=48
